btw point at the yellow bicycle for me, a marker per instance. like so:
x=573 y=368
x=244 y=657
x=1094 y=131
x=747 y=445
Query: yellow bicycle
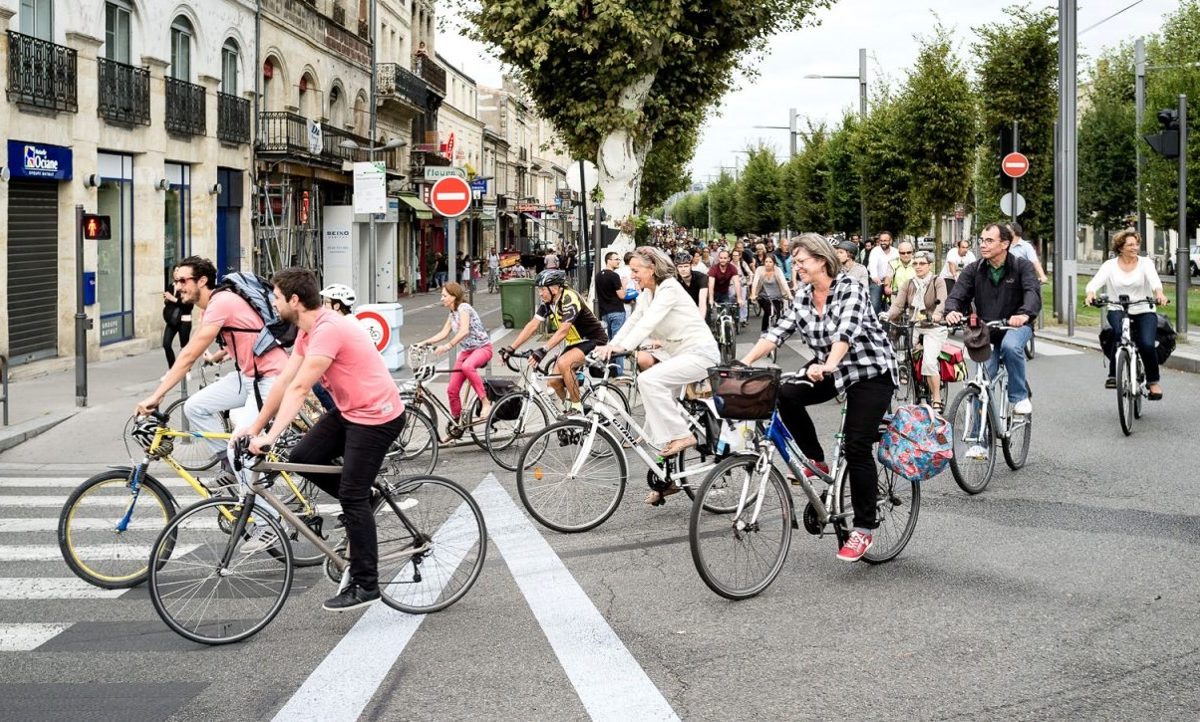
x=109 y=522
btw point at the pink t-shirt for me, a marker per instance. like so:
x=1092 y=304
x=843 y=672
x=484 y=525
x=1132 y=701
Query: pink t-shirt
x=358 y=379
x=229 y=309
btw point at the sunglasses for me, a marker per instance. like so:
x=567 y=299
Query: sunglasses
x=181 y=281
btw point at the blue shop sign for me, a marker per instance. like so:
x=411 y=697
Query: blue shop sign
x=39 y=160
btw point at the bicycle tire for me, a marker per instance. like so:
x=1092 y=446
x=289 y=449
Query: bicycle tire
x=304 y=553
x=195 y=534
x=476 y=431
x=505 y=439
x=971 y=474
x=564 y=434
x=898 y=504
x=1016 y=446
x=450 y=518
x=1030 y=351
x=728 y=341
x=130 y=549
x=191 y=452
x=1141 y=386
x=709 y=534
x=417 y=440
x=1124 y=392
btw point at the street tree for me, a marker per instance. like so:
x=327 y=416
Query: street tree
x=723 y=196
x=758 y=193
x=618 y=78
x=1016 y=79
x=803 y=192
x=840 y=181
x=1107 y=156
x=937 y=131
x=879 y=157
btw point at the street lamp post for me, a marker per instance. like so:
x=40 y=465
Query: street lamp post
x=862 y=112
x=392 y=144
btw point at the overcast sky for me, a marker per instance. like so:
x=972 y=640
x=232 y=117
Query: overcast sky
x=887 y=28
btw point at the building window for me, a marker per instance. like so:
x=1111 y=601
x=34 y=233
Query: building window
x=229 y=68
x=337 y=108
x=181 y=49
x=177 y=224
x=37 y=18
x=116 y=32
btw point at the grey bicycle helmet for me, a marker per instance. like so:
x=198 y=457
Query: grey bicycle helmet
x=683 y=258
x=551 y=277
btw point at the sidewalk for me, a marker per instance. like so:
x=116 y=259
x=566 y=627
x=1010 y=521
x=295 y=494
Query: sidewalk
x=1186 y=356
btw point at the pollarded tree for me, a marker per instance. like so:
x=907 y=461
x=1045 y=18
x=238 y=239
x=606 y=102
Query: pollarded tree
x=1107 y=157
x=758 y=193
x=619 y=79
x=937 y=122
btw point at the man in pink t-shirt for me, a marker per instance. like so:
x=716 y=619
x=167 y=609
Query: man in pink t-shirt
x=333 y=349
x=195 y=281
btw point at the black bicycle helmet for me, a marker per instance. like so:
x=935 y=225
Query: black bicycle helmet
x=683 y=258
x=144 y=431
x=551 y=277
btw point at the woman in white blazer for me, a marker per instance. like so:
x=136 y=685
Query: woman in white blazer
x=666 y=313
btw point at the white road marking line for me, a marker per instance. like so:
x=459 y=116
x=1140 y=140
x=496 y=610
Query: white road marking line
x=97 y=552
x=27 y=637
x=609 y=681
x=25 y=501
x=53 y=588
x=1042 y=347
x=342 y=685
x=50 y=524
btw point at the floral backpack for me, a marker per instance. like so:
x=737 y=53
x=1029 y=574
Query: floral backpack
x=916 y=443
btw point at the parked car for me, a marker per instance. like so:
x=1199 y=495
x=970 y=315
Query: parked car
x=1194 y=258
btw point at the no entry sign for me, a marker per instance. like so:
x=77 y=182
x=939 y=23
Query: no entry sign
x=1015 y=165
x=450 y=197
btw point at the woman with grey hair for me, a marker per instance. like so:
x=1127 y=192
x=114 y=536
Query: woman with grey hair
x=924 y=297
x=833 y=315
x=666 y=313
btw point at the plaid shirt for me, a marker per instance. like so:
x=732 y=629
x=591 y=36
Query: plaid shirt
x=848 y=318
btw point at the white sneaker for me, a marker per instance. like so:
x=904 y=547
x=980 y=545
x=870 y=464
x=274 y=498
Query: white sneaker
x=1024 y=407
x=977 y=452
x=406 y=504
x=260 y=537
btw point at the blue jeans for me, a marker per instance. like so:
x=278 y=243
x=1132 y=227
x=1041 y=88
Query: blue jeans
x=613 y=323
x=1143 y=327
x=876 y=292
x=1012 y=352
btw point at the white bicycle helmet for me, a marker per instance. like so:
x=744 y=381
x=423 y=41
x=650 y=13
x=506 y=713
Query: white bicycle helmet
x=339 y=292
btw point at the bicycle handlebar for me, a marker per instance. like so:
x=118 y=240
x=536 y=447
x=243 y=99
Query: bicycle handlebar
x=1124 y=301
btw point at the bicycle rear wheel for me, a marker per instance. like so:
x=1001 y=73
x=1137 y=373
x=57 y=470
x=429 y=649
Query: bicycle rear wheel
x=578 y=478
x=206 y=601
x=1124 y=392
x=192 y=452
x=105 y=531
x=435 y=511
x=974 y=459
x=738 y=556
x=415 y=450
x=515 y=417
x=897 y=504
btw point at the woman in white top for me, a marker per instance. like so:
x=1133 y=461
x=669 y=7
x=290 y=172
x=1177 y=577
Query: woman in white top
x=768 y=288
x=1134 y=276
x=956 y=260
x=666 y=313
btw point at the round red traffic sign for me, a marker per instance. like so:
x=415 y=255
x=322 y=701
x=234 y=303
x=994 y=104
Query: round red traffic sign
x=1015 y=165
x=376 y=327
x=450 y=197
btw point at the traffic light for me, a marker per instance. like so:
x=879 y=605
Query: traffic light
x=96 y=228
x=1166 y=141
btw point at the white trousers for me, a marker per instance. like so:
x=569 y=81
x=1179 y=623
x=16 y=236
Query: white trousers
x=660 y=385
x=932 y=340
x=232 y=392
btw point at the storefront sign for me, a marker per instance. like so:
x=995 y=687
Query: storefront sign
x=370 y=187
x=39 y=160
x=337 y=241
x=438 y=172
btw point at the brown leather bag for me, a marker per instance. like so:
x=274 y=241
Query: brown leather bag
x=744 y=393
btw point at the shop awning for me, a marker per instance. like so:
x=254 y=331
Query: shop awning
x=419 y=209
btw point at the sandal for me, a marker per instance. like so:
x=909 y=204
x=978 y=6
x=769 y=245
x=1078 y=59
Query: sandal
x=939 y=406
x=658 y=498
x=1110 y=382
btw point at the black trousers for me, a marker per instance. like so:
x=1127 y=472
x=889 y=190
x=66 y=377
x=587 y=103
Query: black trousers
x=184 y=330
x=766 y=305
x=866 y=403
x=362 y=447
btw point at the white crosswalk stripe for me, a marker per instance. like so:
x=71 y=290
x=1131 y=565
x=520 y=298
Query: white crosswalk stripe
x=53 y=588
x=108 y=552
x=26 y=637
x=70 y=482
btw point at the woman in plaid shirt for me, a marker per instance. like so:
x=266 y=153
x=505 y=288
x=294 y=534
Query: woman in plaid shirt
x=832 y=313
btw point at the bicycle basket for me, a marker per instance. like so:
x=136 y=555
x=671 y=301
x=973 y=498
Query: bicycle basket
x=743 y=393
x=419 y=356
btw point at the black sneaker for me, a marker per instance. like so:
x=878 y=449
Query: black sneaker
x=354 y=597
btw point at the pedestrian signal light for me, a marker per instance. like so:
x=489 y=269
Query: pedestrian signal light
x=96 y=228
x=1166 y=141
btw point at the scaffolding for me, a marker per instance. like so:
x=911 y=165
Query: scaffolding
x=287 y=231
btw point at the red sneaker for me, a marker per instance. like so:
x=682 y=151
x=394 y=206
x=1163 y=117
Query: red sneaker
x=855 y=547
x=808 y=473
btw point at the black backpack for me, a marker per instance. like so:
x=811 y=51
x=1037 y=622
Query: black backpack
x=257 y=291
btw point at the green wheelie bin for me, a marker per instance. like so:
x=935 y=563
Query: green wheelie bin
x=516 y=302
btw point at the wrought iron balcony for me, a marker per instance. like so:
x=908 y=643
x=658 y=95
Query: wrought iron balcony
x=398 y=81
x=233 y=118
x=286 y=135
x=185 y=107
x=430 y=72
x=124 y=95
x=41 y=73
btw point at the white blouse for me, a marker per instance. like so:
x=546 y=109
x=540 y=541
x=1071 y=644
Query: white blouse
x=1141 y=282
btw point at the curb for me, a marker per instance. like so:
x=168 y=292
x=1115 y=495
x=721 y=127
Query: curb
x=1180 y=360
x=17 y=434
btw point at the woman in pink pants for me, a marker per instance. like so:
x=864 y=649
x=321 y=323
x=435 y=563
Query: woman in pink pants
x=464 y=327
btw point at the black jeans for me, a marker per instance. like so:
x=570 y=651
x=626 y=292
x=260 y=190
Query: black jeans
x=766 y=305
x=1143 y=327
x=362 y=447
x=866 y=403
x=184 y=330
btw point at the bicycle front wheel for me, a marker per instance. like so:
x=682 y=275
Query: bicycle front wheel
x=440 y=515
x=1125 y=392
x=515 y=417
x=578 y=478
x=897 y=504
x=1016 y=446
x=415 y=450
x=728 y=337
x=106 y=530
x=207 y=600
x=974 y=459
x=739 y=555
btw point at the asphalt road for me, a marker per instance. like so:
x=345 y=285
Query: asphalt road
x=1065 y=590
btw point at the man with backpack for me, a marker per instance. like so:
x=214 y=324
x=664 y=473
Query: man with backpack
x=236 y=314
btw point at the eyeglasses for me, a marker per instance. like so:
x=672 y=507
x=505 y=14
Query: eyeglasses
x=181 y=281
x=988 y=241
x=920 y=263
x=905 y=253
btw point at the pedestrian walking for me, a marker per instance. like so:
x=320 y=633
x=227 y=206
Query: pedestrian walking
x=177 y=319
x=610 y=293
